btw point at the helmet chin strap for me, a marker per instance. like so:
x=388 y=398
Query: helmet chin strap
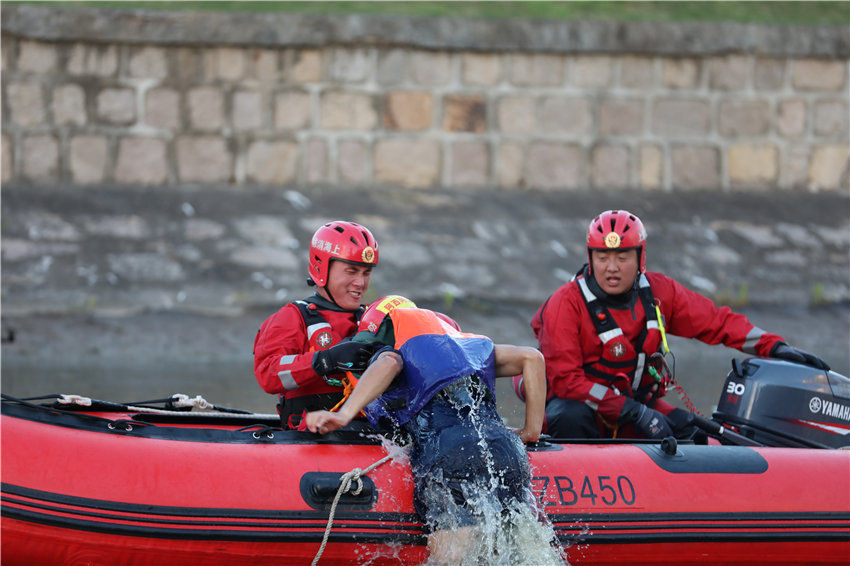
x=327 y=290
x=326 y=287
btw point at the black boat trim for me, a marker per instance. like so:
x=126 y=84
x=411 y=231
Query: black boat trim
x=186 y=523
x=101 y=505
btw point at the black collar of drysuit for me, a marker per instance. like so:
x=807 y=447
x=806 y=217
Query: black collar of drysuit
x=622 y=301
x=327 y=305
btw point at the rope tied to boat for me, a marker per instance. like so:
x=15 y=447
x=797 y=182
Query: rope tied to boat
x=183 y=400
x=176 y=403
x=66 y=399
x=345 y=482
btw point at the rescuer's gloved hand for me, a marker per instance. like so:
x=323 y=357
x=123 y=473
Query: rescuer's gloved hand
x=342 y=357
x=682 y=423
x=648 y=422
x=783 y=351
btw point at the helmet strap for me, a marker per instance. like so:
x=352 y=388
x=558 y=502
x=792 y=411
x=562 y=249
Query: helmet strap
x=327 y=291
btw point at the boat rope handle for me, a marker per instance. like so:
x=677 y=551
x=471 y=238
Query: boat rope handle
x=345 y=482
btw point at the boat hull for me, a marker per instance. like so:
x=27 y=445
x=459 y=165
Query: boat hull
x=84 y=489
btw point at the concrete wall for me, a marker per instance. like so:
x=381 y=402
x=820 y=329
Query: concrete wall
x=164 y=99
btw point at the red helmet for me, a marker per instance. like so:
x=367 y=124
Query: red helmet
x=378 y=311
x=617 y=229
x=345 y=241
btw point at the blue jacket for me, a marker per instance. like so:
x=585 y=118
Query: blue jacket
x=435 y=355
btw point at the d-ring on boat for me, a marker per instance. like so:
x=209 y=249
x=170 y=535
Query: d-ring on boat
x=94 y=482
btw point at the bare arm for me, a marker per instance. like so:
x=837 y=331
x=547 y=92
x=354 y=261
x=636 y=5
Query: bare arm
x=374 y=381
x=512 y=360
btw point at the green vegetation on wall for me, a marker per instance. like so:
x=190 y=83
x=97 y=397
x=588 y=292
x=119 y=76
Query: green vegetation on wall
x=804 y=13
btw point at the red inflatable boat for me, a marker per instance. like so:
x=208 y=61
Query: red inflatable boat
x=110 y=484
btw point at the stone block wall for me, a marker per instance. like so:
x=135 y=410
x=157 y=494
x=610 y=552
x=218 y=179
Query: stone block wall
x=102 y=97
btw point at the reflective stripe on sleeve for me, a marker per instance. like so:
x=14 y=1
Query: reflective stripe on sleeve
x=285 y=376
x=749 y=345
x=598 y=391
x=287 y=380
x=592 y=405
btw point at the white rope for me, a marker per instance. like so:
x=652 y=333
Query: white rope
x=74 y=400
x=210 y=414
x=345 y=482
x=183 y=400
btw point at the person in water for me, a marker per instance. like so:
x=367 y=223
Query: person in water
x=302 y=351
x=438 y=385
x=602 y=336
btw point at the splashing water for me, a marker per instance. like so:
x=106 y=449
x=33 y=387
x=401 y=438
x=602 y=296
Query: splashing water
x=399 y=454
x=512 y=534
x=509 y=537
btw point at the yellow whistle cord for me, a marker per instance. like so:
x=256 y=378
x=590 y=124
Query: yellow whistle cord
x=661 y=328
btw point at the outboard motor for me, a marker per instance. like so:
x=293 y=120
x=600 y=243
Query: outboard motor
x=779 y=403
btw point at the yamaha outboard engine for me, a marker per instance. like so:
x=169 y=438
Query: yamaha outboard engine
x=779 y=403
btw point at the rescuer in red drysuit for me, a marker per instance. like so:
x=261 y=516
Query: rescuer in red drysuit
x=303 y=350
x=599 y=331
